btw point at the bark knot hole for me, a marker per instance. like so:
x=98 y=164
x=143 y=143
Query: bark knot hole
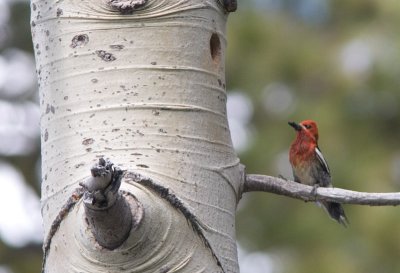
x=215 y=48
x=79 y=40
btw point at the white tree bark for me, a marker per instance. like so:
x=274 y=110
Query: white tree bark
x=146 y=90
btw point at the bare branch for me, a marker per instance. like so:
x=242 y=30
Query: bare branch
x=255 y=182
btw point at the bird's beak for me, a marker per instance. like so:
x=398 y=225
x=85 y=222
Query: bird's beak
x=295 y=125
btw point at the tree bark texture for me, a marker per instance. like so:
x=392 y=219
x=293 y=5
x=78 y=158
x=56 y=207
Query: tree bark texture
x=146 y=88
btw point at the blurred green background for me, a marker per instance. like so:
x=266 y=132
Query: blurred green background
x=337 y=62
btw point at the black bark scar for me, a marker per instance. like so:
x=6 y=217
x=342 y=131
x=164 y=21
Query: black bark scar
x=162 y=191
x=68 y=206
x=100 y=169
x=175 y=202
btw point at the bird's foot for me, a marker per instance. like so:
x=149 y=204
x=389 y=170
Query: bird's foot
x=314 y=190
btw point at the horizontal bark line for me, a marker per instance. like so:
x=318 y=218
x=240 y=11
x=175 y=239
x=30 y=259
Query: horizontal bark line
x=143 y=107
x=254 y=182
x=121 y=68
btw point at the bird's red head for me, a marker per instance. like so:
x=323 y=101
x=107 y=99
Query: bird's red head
x=306 y=128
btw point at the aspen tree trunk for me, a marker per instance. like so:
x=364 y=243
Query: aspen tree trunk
x=141 y=83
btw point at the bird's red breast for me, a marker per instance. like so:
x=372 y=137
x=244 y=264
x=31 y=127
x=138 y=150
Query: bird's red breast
x=302 y=155
x=303 y=147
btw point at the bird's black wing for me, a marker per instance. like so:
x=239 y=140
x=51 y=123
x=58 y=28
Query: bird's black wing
x=322 y=160
x=323 y=174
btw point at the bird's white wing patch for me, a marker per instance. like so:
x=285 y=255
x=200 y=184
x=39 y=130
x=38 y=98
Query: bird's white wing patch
x=322 y=160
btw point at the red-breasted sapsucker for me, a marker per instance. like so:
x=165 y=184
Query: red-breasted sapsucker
x=309 y=166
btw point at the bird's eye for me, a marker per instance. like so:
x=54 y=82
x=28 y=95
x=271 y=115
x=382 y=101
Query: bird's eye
x=308 y=126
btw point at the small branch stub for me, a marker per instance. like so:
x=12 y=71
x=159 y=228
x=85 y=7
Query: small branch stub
x=126 y=6
x=230 y=5
x=109 y=214
x=101 y=190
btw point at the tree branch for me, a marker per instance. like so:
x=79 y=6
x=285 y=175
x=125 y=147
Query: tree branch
x=110 y=213
x=255 y=182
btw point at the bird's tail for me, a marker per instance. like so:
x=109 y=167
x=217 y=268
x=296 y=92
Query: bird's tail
x=336 y=212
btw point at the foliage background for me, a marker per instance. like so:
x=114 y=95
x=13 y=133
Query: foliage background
x=336 y=62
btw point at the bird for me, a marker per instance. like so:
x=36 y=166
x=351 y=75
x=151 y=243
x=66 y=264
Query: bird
x=310 y=167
